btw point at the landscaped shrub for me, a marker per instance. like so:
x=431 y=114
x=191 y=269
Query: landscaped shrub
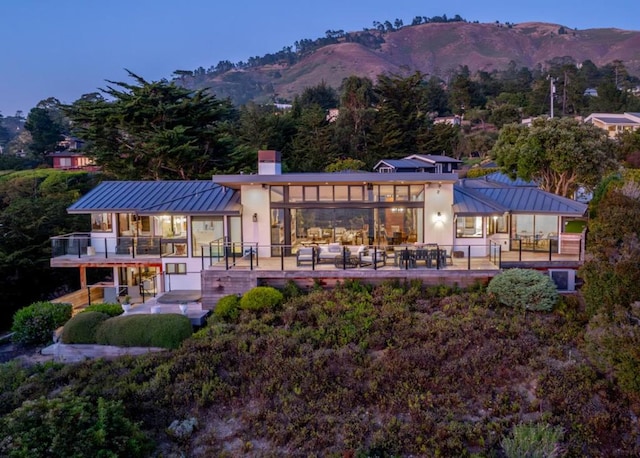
x=81 y=329
x=71 y=426
x=261 y=298
x=109 y=309
x=34 y=325
x=228 y=308
x=154 y=330
x=533 y=441
x=291 y=289
x=524 y=289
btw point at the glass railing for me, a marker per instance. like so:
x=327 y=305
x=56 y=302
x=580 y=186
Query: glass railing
x=81 y=244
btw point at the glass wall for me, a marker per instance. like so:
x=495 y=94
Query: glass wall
x=204 y=231
x=535 y=231
x=364 y=214
x=539 y=226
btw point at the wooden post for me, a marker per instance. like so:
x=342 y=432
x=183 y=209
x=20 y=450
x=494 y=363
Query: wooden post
x=83 y=277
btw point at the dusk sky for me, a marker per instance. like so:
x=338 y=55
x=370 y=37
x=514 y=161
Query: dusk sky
x=66 y=48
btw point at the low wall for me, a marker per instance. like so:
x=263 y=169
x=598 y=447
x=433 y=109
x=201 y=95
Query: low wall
x=216 y=283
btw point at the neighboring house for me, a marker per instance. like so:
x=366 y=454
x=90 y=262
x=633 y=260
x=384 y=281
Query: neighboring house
x=165 y=235
x=72 y=160
x=450 y=120
x=615 y=123
x=430 y=163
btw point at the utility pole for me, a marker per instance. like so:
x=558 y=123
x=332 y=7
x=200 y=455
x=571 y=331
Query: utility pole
x=552 y=91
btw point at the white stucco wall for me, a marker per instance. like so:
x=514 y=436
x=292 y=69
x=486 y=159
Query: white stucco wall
x=255 y=200
x=439 y=229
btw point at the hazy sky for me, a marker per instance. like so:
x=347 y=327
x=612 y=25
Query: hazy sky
x=66 y=48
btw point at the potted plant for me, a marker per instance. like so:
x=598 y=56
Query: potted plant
x=126 y=304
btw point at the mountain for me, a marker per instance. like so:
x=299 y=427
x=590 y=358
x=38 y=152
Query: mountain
x=434 y=48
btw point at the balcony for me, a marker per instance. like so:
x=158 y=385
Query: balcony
x=82 y=247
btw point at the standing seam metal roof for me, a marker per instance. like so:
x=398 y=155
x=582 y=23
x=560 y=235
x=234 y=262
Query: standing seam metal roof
x=148 y=197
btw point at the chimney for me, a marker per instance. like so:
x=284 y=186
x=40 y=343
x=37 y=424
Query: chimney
x=269 y=162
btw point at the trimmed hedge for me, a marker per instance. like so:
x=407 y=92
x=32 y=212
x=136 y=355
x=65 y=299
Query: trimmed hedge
x=82 y=328
x=145 y=330
x=227 y=308
x=261 y=298
x=524 y=289
x=109 y=309
x=34 y=325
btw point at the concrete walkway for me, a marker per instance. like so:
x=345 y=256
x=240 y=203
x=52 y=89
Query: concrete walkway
x=161 y=304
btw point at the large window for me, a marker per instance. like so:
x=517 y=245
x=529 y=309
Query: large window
x=205 y=232
x=469 y=226
x=101 y=222
x=497 y=225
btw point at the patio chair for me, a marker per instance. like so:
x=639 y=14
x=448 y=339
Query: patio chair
x=406 y=259
x=370 y=258
x=305 y=255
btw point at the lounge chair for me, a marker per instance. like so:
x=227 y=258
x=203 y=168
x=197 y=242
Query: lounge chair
x=305 y=255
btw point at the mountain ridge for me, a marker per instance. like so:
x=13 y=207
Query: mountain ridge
x=437 y=49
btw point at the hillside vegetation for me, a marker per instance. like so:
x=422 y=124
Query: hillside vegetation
x=398 y=370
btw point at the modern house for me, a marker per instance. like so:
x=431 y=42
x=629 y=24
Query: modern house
x=236 y=231
x=615 y=123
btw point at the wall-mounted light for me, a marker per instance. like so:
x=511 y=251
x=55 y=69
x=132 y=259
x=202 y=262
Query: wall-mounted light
x=255 y=217
x=438 y=191
x=438 y=218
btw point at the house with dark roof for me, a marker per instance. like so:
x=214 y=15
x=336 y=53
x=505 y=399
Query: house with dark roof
x=236 y=231
x=431 y=163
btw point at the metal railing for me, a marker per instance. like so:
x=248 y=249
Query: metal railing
x=429 y=256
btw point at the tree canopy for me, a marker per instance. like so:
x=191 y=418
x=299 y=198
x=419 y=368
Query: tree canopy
x=154 y=130
x=559 y=154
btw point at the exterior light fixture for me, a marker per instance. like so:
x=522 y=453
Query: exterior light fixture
x=255 y=218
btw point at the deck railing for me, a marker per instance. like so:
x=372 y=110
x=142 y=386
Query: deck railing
x=82 y=244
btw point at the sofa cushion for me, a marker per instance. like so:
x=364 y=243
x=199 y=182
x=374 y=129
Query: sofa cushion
x=334 y=248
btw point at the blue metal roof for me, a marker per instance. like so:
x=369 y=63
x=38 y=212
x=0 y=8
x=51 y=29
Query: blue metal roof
x=467 y=202
x=532 y=200
x=152 y=197
x=516 y=196
x=504 y=179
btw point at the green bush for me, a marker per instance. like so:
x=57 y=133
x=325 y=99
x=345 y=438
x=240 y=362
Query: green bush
x=109 y=309
x=227 y=308
x=34 y=325
x=533 y=441
x=71 y=426
x=524 y=289
x=82 y=328
x=145 y=330
x=261 y=298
